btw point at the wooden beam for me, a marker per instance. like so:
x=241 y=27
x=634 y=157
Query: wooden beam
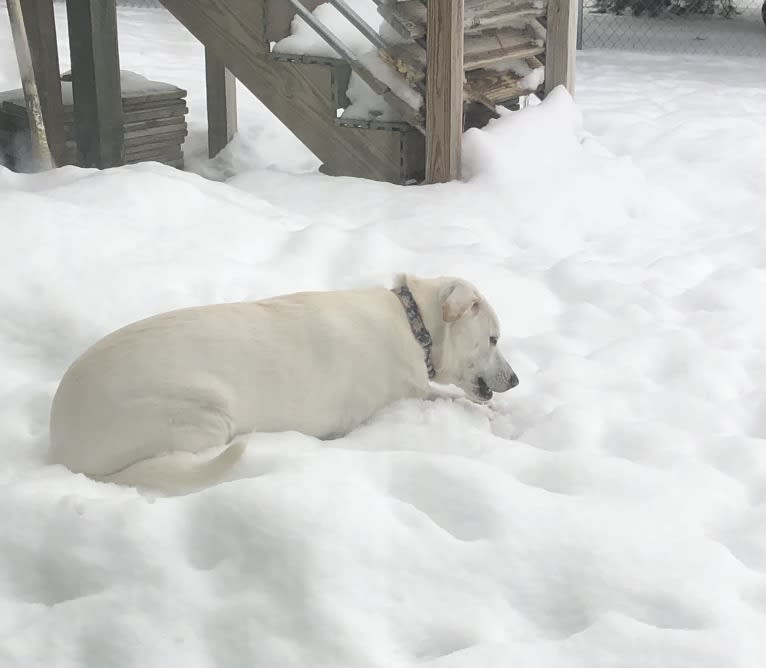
x=96 y=82
x=40 y=150
x=227 y=26
x=444 y=89
x=41 y=33
x=221 y=87
x=560 y=45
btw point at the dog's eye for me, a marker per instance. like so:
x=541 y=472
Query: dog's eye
x=493 y=340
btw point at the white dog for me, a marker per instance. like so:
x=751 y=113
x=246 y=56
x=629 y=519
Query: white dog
x=133 y=406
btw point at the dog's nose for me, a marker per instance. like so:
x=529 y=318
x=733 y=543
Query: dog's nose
x=513 y=381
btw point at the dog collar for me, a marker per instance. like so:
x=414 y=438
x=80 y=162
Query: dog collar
x=418 y=327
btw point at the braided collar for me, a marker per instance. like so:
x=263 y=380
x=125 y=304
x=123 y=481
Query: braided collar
x=418 y=327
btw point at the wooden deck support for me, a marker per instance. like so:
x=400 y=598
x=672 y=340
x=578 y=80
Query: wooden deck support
x=40 y=26
x=444 y=89
x=96 y=82
x=561 y=45
x=221 y=87
x=40 y=151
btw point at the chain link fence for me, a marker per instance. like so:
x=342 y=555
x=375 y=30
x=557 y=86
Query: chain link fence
x=712 y=27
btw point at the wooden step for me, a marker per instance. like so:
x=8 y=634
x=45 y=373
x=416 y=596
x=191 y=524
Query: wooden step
x=408 y=18
x=409 y=59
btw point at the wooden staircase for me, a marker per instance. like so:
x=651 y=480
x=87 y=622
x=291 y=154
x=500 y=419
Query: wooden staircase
x=505 y=52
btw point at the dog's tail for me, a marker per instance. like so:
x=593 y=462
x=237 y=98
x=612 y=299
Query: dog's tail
x=177 y=472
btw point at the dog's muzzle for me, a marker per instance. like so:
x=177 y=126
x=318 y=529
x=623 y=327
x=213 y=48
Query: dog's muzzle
x=485 y=392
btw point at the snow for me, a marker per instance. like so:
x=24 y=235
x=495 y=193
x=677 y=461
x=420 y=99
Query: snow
x=608 y=512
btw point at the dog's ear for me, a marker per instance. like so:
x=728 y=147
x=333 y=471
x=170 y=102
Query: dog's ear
x=458 y=298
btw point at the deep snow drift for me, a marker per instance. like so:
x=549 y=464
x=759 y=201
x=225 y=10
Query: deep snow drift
x=611 y=511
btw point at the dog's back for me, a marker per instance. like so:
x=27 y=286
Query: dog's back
x=194 y=379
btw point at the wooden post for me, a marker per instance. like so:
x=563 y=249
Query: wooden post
x=40 y=26
x=221 y=104
x=444 y=89
x=96 y=87
x=560 y=45
x=40 y=150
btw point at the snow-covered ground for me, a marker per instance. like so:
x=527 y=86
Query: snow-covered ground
x=611 y=511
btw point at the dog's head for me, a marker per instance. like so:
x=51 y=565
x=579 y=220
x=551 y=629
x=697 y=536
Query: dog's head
x=468 y=353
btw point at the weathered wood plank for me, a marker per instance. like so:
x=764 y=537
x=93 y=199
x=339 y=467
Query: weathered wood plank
x=409 y=59
x=175 y=135
x=159 y=149
x=134 y=136
x=408 y=18
x=485 y=49
x=159 y=142
x=493 y=88
x=560 y=44
x=233 y=30
x=154 y=126
x=96 y=82
x=133 y=120
x=221 y=92
x=41 y=34
x=444 y=90
x=154 y=149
